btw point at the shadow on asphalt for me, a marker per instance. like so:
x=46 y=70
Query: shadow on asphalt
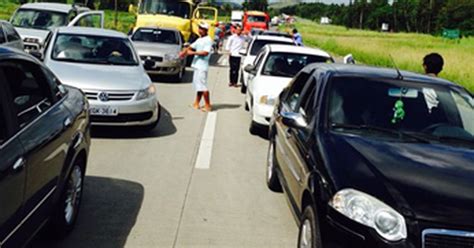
x=221 y=106
x=165 y=127
x=108 y=213
x=217 y=60
x=187 y=78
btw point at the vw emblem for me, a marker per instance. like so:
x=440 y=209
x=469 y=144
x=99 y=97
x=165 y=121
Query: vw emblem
x=103 y=96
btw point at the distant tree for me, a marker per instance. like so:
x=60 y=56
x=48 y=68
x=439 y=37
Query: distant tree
x=261 y=5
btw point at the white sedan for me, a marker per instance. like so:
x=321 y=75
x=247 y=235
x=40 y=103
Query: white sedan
x=274 y=68
x=250 y=53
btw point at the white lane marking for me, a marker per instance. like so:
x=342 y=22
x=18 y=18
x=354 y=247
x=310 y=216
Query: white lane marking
x=203 y=160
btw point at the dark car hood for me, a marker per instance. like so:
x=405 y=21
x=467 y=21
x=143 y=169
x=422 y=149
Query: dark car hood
x=430 y=182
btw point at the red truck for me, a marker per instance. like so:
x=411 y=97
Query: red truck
x=255 y=20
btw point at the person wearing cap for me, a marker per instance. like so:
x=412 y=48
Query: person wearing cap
x=201 y=49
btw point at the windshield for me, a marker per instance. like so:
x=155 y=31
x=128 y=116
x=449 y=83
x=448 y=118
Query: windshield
x=38 y=19
x=288 y=65
x=165 y=7
x=257 y=19
x=93 y=49
x=258 y=44
x=424 y=109
x=155 y=35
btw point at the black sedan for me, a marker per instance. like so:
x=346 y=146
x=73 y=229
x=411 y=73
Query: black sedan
x=44 y=145
x=372 y=157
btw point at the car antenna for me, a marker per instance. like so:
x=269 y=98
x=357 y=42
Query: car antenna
x=400 y=76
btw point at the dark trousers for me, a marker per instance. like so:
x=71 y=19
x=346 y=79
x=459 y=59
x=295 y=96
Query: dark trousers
x=234 y=69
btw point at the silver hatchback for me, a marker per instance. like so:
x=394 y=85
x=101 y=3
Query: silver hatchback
x=104 y=64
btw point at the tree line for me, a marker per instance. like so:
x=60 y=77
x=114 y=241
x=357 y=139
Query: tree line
x=421 y=16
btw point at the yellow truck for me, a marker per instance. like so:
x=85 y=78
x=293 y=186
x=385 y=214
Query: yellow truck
x=183 y=15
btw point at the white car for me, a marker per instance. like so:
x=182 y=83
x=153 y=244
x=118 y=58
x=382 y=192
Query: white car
x=273 y=70
x=254 y=46
x=34 y=21
x=104 y=64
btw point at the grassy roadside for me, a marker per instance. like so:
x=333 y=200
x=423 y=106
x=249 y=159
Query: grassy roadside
x=407 y=49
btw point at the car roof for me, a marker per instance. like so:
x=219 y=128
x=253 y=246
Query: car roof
x=277 y=48
x=58 y=7
x=255 y=13
x=376 y=72
x=272 y=37
x=91 y=32
x=158 y=28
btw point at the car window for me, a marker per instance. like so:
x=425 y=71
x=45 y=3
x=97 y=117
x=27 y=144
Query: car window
x=306 y=104
x=2 y=35
x=30 y=92
x=47 y=42
x=38 y=19
x=296 y=89
x=289 y=64
x=58 y=90
x=11 y=34
x=155 y=35
x=3 y=125
x=259 y=59
x=258 y=44
x=93 y=50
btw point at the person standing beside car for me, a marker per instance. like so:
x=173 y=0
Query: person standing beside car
x=201 y=49
x=234 y=45
x=433 y=64
x=297 y=37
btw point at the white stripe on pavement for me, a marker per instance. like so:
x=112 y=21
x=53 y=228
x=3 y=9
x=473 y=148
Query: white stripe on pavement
x=203 y=160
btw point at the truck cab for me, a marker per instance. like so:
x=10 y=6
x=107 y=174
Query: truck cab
x=255 y=20
x=183 y=15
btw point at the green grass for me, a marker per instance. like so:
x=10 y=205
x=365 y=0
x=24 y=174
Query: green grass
x=6 y=9
x=407 y=49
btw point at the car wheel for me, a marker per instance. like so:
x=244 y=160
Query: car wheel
x=152 y=126
x=246 y=106
x=65 y=215
x=272 y=178
x=309 y=233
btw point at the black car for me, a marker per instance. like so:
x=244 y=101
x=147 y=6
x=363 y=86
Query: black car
x=373 y=157
x=44 y=145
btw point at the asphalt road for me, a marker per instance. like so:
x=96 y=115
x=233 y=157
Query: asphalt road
x=197 y=180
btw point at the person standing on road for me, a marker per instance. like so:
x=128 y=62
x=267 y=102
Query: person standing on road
x=234 y=45
x=297 y=37
x=201 y=49
x=433 y=64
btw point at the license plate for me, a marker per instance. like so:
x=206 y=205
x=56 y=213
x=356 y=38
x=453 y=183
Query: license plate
x=103 y=111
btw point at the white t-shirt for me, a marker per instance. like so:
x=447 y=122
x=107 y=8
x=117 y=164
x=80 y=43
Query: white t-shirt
x=202 y=44
x=235 y=44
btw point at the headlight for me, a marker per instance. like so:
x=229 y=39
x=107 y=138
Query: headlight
x=171 y=57
x=145 y=93
x=268 y=100
x=371 y=212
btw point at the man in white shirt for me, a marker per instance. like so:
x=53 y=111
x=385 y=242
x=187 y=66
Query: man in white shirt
x=234 y=45
x=201 y=49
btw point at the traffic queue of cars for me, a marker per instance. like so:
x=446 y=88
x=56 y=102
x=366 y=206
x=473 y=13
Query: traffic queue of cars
x=366 y=156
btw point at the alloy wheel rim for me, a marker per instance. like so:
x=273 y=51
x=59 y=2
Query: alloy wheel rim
x=306 y=236
x=73 y=194
x=270 y=162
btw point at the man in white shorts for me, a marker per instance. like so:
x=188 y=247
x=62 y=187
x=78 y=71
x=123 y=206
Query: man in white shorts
x=201 y=49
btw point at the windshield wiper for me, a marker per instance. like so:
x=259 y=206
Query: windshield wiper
x=398 y=133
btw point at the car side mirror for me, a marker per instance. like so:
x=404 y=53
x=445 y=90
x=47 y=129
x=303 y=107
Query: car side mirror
x=250 y=69
x=349 y=59
x=243 y=52
x=36 y=54
x=294 y=120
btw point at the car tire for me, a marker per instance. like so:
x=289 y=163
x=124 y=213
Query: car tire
x=273 y=182
x=247 y=108
x=254 y=129
x=309 y=235
x=66 y=211
x=153 y=125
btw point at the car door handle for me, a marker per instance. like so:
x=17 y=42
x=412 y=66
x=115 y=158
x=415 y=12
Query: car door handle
x=67 y=122
x=19 y=164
